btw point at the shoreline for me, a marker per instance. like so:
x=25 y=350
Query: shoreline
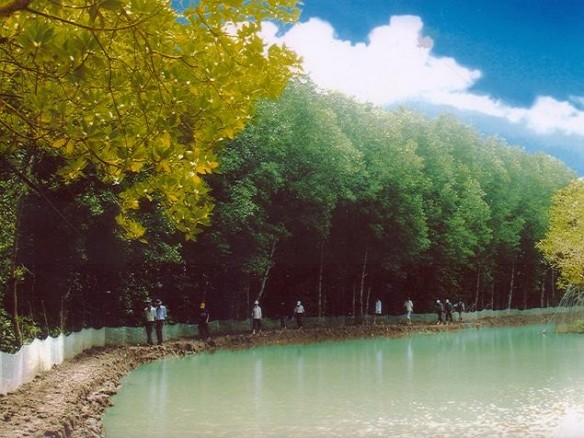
x=70 y=399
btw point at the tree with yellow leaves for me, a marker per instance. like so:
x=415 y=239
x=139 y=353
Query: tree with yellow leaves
x=563 y=245
x=136 y=93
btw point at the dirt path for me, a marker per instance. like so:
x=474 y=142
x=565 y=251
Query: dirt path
x=70 y=399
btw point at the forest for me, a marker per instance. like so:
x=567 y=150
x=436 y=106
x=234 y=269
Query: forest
x=320 y=198
x=296 y=194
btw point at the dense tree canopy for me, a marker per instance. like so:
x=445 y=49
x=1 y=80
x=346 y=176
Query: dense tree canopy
x=383 y=204
x=135 y=97
x=319 y=198
x=135 y=93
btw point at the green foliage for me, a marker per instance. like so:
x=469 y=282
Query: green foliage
x=282 y=177
x=6 y=334
x=425 y=199
x=319 y=198
x=10 y=192
x=29 y=328
x=575 y=327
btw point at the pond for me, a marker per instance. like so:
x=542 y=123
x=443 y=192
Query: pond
x=512 y=382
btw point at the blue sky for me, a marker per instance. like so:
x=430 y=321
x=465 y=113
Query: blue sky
x=513 y=68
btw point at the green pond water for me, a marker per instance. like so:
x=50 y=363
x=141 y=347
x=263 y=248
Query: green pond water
x=490 y=382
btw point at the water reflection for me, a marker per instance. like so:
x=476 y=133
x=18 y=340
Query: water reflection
x=502 y=382
x=258 y=379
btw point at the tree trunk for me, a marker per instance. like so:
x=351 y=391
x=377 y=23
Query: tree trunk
x=554 y=302
x=477 y=288
x=267 y=272
x=320 y=275
x=362 y=286
x=511 y=285
x=64 y=315
x=354 y=311
x=367 y=299
x=47 y=320
x=493 y=295
x=13 y=279
x=542 y=294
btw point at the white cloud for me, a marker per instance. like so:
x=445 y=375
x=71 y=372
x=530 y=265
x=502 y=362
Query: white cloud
x=549 y=115
x=396 y=65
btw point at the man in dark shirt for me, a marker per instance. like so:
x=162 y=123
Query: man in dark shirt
x=203 y=322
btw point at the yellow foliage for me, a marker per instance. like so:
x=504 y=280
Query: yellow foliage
x=563 y=245
x=122 y=92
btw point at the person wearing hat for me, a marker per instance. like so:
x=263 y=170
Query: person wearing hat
x=149 y=318
x=203 y=322
x=299 y=313
x=160 y=318
x=256 y=318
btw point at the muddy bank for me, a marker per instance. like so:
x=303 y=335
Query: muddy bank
x=70 y=399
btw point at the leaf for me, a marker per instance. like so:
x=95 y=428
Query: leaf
x=165 y=139
x=137 y=165
x=163 y=166
x=201 y=168
x=111 y=5
x=59 y=143
x=229 y=133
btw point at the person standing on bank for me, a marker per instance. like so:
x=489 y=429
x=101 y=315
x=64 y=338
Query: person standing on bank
x=409 y=306
x=203 y=322
x=299 y=313
x=256 y=318
x=459 y=307
x=160 y=318
x=439 y=308
x=149 y=319
x=378 y=308
x=448 y=311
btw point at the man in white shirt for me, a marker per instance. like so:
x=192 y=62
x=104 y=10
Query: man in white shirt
x=149 y=318
x=256 y=318
x=299 y=313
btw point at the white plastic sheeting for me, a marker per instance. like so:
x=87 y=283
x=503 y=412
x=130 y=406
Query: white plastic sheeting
x=32 y=359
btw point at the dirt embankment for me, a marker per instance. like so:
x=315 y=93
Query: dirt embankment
x=70 y=399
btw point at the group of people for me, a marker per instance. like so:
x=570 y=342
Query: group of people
x=154 y=315
x=256 y=316
x=408 y=306
x=444 y=311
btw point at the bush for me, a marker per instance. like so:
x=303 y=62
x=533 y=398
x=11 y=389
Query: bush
x=30 y=330
x=576 y=327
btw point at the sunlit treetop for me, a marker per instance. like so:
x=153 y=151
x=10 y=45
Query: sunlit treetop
x=563 y=244
x=137 y=93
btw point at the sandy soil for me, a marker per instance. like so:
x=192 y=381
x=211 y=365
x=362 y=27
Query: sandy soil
x=70 y=399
